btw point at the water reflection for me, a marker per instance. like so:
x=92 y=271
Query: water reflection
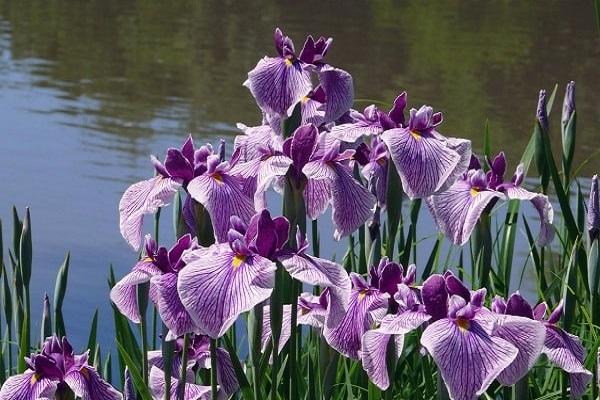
x=89 y=89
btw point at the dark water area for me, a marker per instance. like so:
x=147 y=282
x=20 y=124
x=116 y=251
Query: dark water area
x=89 y=89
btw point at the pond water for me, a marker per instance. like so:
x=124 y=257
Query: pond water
x=89 y=89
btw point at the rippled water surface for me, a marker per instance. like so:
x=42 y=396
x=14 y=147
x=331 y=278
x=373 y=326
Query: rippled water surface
x=89 y=89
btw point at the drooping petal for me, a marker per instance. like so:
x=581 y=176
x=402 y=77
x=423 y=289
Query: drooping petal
x=192 y=391
x=141 y=198
x=403 y=323
x=278 y=83
x=373 y=354
x=286 y=329
x=171 y=310
x=346 y=336
x=353 y=131
x=222 y=196
x=124 y=293
x=339 y=91
x=216 y=288
x=467 y=357
x=527 y=335
x=228 y=383
x=566 y=351
x=457 y=210
x=317 y=195
x=87 y=384
x=28 y=386
x=352 y=203
x=323 y=273
x=253 y=139
x=542 y=206
x=426 y=164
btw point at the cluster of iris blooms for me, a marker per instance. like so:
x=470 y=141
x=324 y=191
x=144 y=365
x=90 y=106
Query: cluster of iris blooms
x=319 y=152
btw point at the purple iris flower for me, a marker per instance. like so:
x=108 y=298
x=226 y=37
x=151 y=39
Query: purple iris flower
x=374 y=160
x=225 y=280
x=161 y=268
x=460 y=337
x=279 y=83
x=369 y=302
x=562 y=348
x=205 y=177
x=593 y=212
x=320 y=171
x=457 y=210
x=427 y=162
x=56 y=372
x=192 y=391
x=198 y=358
x=372 y=121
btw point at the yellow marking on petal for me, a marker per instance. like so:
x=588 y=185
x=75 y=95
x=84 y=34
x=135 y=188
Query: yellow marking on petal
x=362 y=294
x=288 y=62
x=475 y=191
x=463 y=324
x=381 y=161
x=416 y=135
x=304 y=99
x=146 y=259
x=238 y=260
x=85 y=373
x=34 y=378
x=217 y=176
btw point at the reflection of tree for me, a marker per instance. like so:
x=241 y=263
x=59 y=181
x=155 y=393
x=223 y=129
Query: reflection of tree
x=182 y=63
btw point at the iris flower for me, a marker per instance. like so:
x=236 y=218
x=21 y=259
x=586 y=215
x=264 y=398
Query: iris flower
x=198 y=357
x=457 y=210
x=426 y=161
x=279 y=83
x=160 y=267
x=561 y=348
x=57 y=372
x=369 y=302
x=206 y=178
x=192 y=390
x=321 y=171
x=225 y=280
x=593 y=213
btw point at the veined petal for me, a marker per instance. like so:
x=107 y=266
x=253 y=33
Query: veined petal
x=323 y=273
x=141 y=198
x=317 y=195
x=28 y=386
x=401 y=324
x=88 y=385
x=346 y=336
x=566 y=351
x=527 y=335
x=373 y=355
x=339 y=90
x=286 y=329
x=270 y=169
x=468 y=358
x=457 y=210
x=222 y=196
x=277 y=84
x=425 y=162
x=352 y=132
x=169 y=306
x=463 y=148
x=253 y=138
x=124 y=293
x=543 y=207
x=215 y=289
x=192 y=391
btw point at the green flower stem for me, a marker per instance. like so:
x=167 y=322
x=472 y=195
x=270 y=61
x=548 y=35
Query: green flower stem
x=213 y=370
x=183 y=372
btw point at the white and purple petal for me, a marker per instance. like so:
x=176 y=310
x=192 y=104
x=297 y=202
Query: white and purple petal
x=191 y=392
x=565 y=350
x=87 y=384
x=253 y=139
x=141 y=198
x=223 y=197
x=426 y=163
x=467 y=357
x=218 y=286
x=542 y=206
x=374 y=355
x=278 y=83
x=457 y=210
x=124 y=293
x=527 y=335
x=28 y=386
x=339 y=91
x=171 y=310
